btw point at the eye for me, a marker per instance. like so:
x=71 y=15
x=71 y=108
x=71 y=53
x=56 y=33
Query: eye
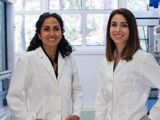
x=124 y=25
x=45 y=28
x=56 y=28
x=113 y=24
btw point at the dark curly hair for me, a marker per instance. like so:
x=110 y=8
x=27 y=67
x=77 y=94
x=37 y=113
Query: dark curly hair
x=64 y=46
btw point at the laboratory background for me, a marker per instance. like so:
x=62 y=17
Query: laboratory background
x=85 y=24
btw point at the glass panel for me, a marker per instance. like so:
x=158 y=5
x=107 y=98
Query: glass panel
x=72 y=4
x=96 y=29
x=142 y=32
x=101 y=4
x=73 y=31
x=29 y=5
x=2 y=37
x=143 y=36
x=19 y=5
x=137 y=4
x=54 y=4
x=25 y=30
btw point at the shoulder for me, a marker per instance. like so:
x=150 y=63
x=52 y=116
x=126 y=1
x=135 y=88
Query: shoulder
x=144 y=57
x=105 y=61
x=32 y=54
x=141 y=54
x=71 y=62
x=26 y=57
x=70 y=57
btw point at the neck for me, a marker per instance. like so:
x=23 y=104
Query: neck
x=118 y=53
x=119 y=48
x=51 y=51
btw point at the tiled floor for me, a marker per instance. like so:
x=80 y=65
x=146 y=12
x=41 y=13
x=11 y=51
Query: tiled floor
x=87 y=115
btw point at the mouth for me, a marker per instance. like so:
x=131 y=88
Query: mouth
x=52 y=39
x=118 y=35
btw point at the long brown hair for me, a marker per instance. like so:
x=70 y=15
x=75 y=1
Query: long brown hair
x=133 y=42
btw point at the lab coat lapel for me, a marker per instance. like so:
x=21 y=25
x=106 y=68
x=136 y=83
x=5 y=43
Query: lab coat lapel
x=61 y=64
x=120 y=65
x=45 y=62
x=109 y=68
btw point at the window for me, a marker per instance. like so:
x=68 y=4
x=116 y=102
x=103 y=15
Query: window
x=27 y=5
x=64 y=4
x=73 y=32
x=85 y=20
x=101 y=4
x=90 y=17
x=143 y=35
x=137 y=5
x=96 y=29
x=3 y=51
x=24 y=30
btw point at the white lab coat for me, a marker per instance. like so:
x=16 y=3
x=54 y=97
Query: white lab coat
x=36 y=92
x=122 y=94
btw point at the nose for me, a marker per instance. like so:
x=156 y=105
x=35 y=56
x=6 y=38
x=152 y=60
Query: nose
x=52 y=32
x=118 y=28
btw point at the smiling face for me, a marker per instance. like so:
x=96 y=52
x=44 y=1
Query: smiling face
x=50 y=33
x=119 y=31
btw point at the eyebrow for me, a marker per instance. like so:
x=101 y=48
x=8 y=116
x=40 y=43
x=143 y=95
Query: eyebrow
x=116 y=22
x=49 y=26
x=125 y=22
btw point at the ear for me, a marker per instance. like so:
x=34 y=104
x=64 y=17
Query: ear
x=39 y=36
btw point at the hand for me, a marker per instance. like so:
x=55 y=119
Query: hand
x=145 y=118
x=73 y=117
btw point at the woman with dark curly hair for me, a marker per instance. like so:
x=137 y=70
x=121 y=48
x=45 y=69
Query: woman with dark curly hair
x=45 y=84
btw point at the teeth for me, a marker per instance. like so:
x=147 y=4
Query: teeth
x=51 y=39
x=118 y=35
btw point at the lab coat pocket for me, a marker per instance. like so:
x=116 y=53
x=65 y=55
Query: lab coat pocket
x=52 y=105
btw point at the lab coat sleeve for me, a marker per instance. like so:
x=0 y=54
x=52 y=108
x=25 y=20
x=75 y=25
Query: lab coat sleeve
x=77 y=93
x=151 y=76
x=101 y=101
x=16 y=96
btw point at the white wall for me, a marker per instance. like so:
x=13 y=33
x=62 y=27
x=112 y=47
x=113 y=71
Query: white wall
x=88 y=66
